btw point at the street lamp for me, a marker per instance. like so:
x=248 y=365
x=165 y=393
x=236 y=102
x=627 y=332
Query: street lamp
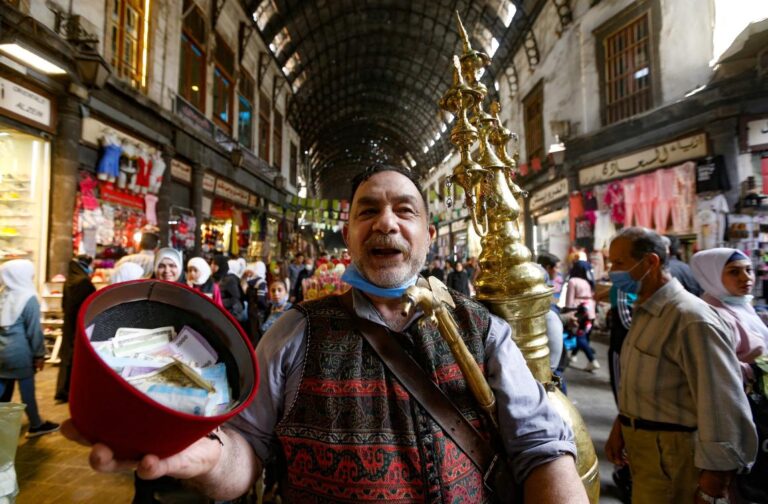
x=94 y=71
x=557 y=151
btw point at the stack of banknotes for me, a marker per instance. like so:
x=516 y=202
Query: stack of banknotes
x=180 y=371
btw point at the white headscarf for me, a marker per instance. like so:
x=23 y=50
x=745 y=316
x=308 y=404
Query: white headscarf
x=260 y=269
x=126 y=272
x=234 y=267
x=18 y=287
x=203 y=270
x=169 y=253
x=707 y=267
x=242 y=266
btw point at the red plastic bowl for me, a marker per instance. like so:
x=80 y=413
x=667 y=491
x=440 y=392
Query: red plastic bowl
x=106 y=409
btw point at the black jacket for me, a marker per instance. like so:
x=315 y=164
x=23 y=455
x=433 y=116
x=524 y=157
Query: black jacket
x=459 y=281
x=684 y=275
x=77 y=288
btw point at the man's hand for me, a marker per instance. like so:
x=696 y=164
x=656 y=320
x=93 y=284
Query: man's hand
x=714 y=484
x=198 y=459
x=614 y=447
x=39 y=363
x=222 y=470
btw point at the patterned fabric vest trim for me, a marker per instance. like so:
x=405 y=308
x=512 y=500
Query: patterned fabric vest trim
x=354 y=434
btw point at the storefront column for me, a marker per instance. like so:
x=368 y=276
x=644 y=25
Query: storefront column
x=164 y=198
x=64 y=178
x=197 y=204
x=528 y=226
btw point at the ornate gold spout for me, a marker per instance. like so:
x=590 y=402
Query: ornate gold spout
x=433 y=297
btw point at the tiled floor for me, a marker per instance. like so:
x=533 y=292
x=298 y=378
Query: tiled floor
x=52 y=469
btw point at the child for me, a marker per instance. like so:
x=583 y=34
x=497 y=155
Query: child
x=278 y=295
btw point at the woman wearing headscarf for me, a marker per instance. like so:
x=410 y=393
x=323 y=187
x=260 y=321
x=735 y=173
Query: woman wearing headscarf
x=126 y=272
x=229 y=284
x=579 y=297
x=169 y=265
x=256 y=296
x=199 y=278
x=77 y=288
x=22 y=349
x=727 y=278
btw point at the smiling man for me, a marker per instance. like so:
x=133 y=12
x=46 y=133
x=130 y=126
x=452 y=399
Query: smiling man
x=342 y=425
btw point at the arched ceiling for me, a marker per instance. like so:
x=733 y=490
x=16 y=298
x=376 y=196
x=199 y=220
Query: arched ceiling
x=366 y=75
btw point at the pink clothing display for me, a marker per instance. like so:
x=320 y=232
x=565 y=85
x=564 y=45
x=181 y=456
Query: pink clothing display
x=87 y=185
x=631 y=195
x=614 y=200
x=645 y=199
x=665 y=198
x=683 y=196
x=150 y=202
x=601 y=193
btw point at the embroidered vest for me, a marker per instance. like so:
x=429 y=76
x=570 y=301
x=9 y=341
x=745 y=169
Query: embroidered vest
x=354 y=434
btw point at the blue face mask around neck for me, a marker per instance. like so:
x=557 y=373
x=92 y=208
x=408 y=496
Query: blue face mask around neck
x=354 y=278
x=624 y=281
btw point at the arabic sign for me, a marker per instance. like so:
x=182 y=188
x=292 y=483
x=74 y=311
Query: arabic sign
x=691 y=147
x=231 y=192
x=757 y=133
x=549 y=194
x=181 y=171
x=193 y=117
x=209 y=182
x=25 y=103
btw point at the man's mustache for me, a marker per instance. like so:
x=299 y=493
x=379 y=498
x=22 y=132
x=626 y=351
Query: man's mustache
x=386 y=241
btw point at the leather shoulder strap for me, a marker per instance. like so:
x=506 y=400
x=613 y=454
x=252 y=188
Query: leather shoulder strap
x=431 y=397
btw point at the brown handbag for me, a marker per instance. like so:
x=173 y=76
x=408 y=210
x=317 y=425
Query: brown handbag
x=496 y=470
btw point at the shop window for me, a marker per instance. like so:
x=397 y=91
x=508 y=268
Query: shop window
x=193 y=63
x=223 y=88
x=293 y=160
x=128 y=33
x=627 y=59
x=245 y=111
x=533 y=108
x=264 y=130
x=278 y=141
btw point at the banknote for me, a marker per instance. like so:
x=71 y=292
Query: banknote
x=176 y=373
x=192 y=348
x=132 y=343
x=193 y=401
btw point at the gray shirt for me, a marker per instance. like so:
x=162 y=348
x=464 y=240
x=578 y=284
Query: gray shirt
x=533 y=432
x=678 y=366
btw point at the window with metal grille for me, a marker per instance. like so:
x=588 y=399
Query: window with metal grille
x=264 y=131
x=192 y=61
x=278 y=140
x=628 y=71
x=127 y=29
x=628 y=61
x=245 y=110
x=223 y=88
x=533 y=109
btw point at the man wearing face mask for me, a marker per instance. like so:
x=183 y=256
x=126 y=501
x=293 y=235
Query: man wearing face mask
x=684 y=424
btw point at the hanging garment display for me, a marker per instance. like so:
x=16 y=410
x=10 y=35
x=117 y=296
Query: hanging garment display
x=665 y=198
x=712 y=175
x=631 y=193
x=683 y=197
x=710 y=221
x=576 y=207
x=150 y=204
x=614 y=199
x=645 y=199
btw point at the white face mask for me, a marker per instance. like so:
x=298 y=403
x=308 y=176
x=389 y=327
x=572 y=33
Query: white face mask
x=308 y=267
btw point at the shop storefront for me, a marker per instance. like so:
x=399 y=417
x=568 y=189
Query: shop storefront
x=675 y=188
x=181 y=216
x=549 y=209
x=26 y=115
x=117 y=195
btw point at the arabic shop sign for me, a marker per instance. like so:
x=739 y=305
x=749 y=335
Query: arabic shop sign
x=757 y=133
x=25 y=103
x=670 y=153
x=549 y=194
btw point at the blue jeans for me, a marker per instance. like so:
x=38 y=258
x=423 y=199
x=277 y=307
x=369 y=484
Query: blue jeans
x=27 y=390
x=582 y=343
